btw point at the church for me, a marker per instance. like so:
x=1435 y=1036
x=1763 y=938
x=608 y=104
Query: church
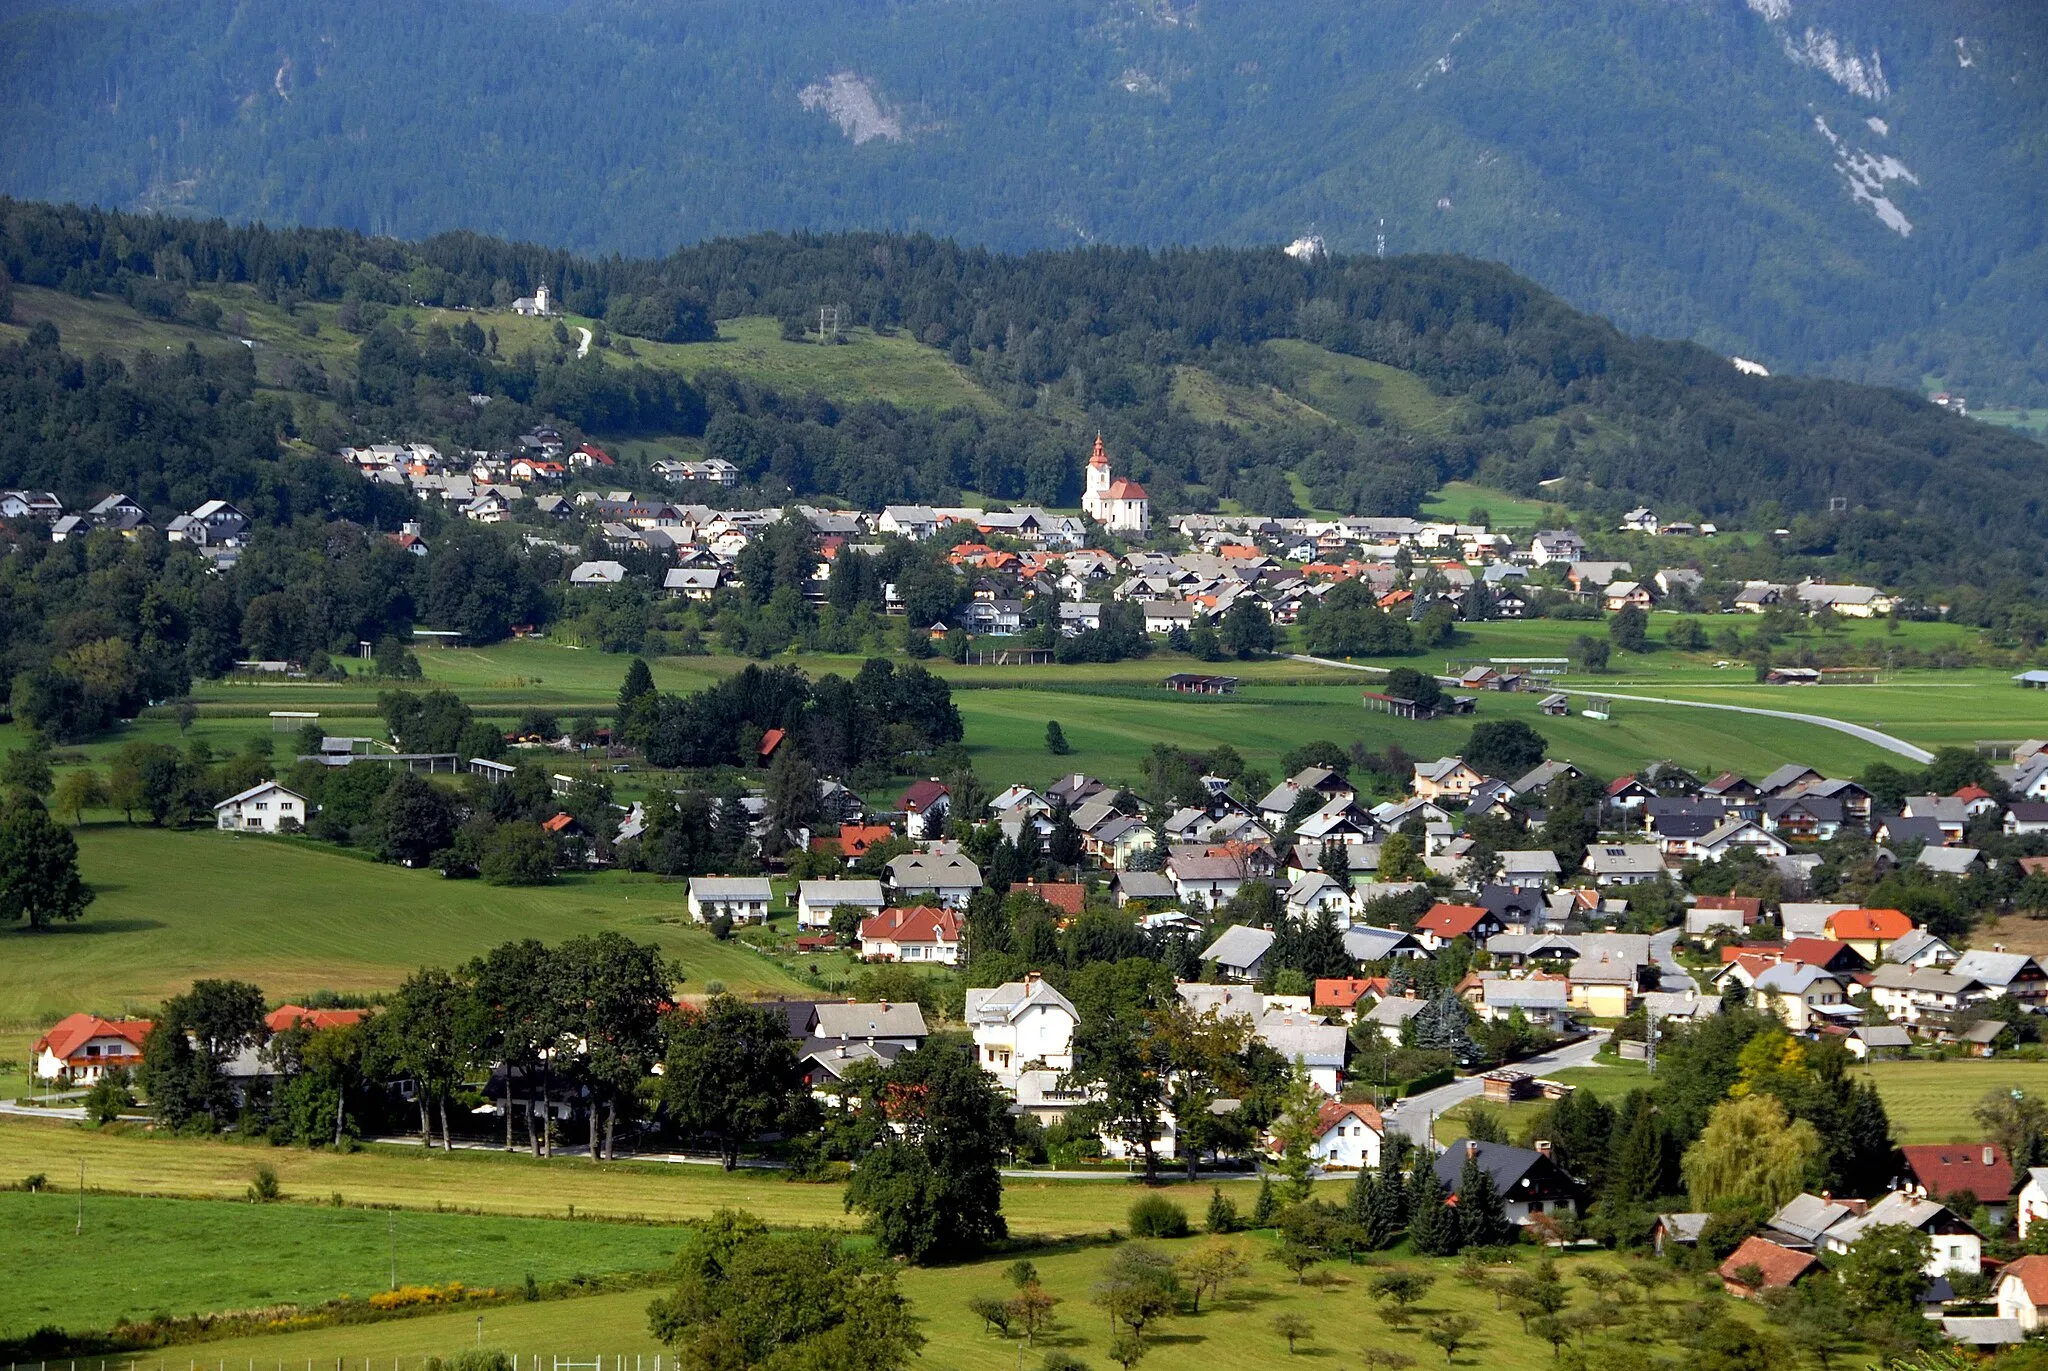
x=1117 y=503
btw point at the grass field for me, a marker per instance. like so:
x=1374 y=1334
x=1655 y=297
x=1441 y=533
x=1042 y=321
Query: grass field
x=295 y=918
x=130 y=1160
x=1930 y=1102
x=1232 y=1334
x=248 y=1256
x=1351 y=390
x=1457 y=499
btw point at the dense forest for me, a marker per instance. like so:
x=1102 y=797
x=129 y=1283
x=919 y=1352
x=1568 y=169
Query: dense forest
x=1821 y=185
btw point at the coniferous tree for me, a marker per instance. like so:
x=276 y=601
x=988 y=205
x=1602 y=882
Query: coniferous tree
x=1444 y=1025
x=1266 y=1207
x=1481 y=1213
x=1434 y=1225
x=1358 y=1205
x=1638 y=1168
x=1867 y=1143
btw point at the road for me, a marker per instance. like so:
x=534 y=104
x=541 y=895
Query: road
x=1868 y=735
x=583 y=348
x=1415 y=1115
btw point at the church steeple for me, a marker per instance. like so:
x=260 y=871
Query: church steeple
x=1101 y=458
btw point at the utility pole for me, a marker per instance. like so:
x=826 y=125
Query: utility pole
x=80 y=1230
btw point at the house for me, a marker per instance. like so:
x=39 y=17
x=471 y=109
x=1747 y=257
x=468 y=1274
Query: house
x=1307 y=1042
x=266 y=807
x=1869 y=931
x=1553 y=545
x=918 y=933
x=1279 y=802
x=2022 y=1291
x=1347 y=1136
x=1240 y=952
x=1838 y=958
x=1533 y=870
x=2032 y=1199
x=1736 y=835
x=1544 y=1001
x=925 y=806
x=1949 y=1172
x=598 y=574
x=1620 y=595
x=816 y=901
x=1215 y=880
x=81 y=1048
x=286 y=1017
x=1624 y=864
x=1760 y=1264
x=1919 y=948
x=214 y=523
x=948 y=875
x=1728 y=913
x=1913 y=994
x=1801 y=995
x=1953 y=1244
x=742 y=899
x=1878 y=1042
x=2005 y=973
x=1445 y=923
x=1021 y=1025
x=1528 y=1180
x=697 y=583
x=1446 y=778
x=1950 y=861
x=1144 y=885
x=1115 y=502
x=1338 y=996
x=2026 y=816
x=31 y=504
x=1392 y=1014
x=1677 y=1230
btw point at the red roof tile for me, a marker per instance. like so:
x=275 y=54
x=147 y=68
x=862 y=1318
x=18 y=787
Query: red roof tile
x=771 y=740
x=288 y=1016
x=922 y=795
x=2031 y=1271
x=1061 y=895
x=1814 y=951
x=74 y=1031
x=1342 y=992
x=1881 y=924
x=1946 y=1169
x=1781 y=1265
x=1332 y=1113
x=914 y=924
x=1450 y=920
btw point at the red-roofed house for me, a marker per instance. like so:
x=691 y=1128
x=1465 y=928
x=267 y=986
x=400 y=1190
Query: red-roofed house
x=920 y=933
x=1940 y=1171
x=1976 y=800
x=1827 y=954
x=1341 y=994
x=1626 y=792
x=1446 y=922
x=83 y=1046
x=1064 y=896
x=925 y=806
x=1775 y=1268
x=1869 y=931
x=771 y=740
x=1347 y=1135
x=591 y=455
x=289 y=1016
x=854 y=840
x=2023 y=1290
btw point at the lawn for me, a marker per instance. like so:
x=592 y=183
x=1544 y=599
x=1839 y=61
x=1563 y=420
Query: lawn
x=1930 y=1102
x=1233 y=1334
x=129 y=1159
x=1458 y=499
x=246 y=1256
x=295 y=918
x=1351 y=390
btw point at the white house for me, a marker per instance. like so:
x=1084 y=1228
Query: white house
x=1625 y=863
x=2022 y=1291
x=1954 y=1245
x=83 y=1047
x=2033 y=1199
x=598 y=574
x=743 y=899
x=1022 y=1025
x=1348 y=1136
x=264 y=808
x=919 y=933
x=816 y=900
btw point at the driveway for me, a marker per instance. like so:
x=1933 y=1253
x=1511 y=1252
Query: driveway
x=1416 y=1115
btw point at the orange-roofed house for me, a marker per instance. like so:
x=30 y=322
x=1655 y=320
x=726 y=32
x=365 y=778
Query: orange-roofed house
x=1445 y=923
x=1341 y=994
x=1759 y=1265
x=562 y=825
x=1241 y=552
x=1065 y=896
x=1869 y=931
x=289 y=1016
x=920 y=933
x=83 y=1047
x=854 y=840
x=1347 y=1135
x=2022 y=1291
x=771 y=740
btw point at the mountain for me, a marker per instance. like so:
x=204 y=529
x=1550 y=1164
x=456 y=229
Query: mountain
x=1852 y=187
x=180 y=360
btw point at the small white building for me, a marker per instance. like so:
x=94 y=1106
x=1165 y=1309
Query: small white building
x=264 y=808
x=743 y=899
x=1022 y=1025
x=816 y=900
x=1348 y=1136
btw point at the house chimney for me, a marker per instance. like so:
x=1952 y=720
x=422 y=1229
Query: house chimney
x=1543 y=1147
x=1471 y=1147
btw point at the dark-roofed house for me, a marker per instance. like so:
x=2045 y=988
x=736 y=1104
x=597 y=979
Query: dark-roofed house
x=925 y=806
x=1529 y=1181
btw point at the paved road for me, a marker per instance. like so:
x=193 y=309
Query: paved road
x=24 y=1111
x=583 y=348
x=1868 y=735
x=1414 y=1115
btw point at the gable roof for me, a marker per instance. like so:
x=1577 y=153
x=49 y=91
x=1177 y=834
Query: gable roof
x=1946 y=1169
x=913 y=924
x=1452 y=920
x=1004 y=1003
x=1335 y=1112
x=289 y=1016
x=1780 y=1265
x=1883 y=925
x=2031 y=1271
x=74 y=1031
x=1238 y=945
x=922 y=795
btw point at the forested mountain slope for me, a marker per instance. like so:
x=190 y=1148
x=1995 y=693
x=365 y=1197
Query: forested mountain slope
x=1850 y=186
x=1351 y=384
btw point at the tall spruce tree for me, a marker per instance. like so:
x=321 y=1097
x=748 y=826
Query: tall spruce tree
x=1638 y=1168
x=1444 y=1025
x=1481 y=1213
x=1434 y=1227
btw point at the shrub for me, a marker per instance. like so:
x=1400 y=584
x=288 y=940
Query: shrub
x=265 y=1189
x=1155 y=1216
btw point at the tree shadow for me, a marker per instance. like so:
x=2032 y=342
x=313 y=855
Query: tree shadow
x=90 y=925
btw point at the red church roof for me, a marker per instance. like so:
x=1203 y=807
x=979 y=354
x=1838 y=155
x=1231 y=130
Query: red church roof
x=1123 y=488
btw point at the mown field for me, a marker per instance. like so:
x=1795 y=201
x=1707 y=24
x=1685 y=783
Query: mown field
x=251 y=1256
x=296 y=918
x=1235 y=1333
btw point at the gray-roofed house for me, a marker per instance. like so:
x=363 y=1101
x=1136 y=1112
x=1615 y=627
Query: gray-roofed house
x=1392 y=1013
x=1144 y=885
x=1021 y=1025
x=1240 y=952
x=1545 y=1001
x=743 y=899
x=1876 y=1042
x=1624 y=863
x=1317 y=1046
x=1537 y=869
x=950 y=876
x=2010 y=973
x=1368 y=944
x=816 y=900
x=1955 y=1245
x=1951 y=861
x=1919 y=948
x=1808 y=919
